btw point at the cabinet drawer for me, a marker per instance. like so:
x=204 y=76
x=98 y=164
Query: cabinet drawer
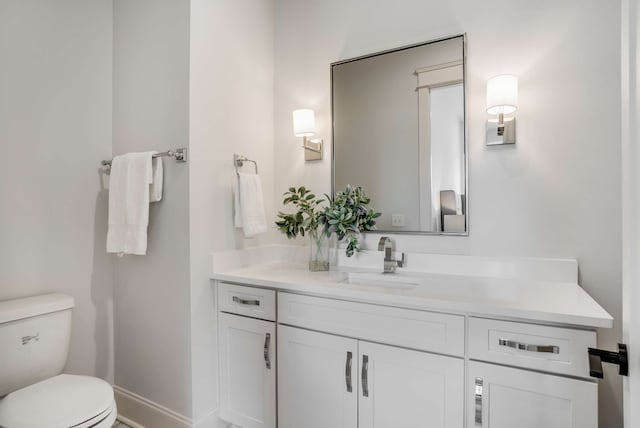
x=427 y=331
x=551 y=349
x=249 y=301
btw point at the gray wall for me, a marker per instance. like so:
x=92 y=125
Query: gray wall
x=55 y=127
x=151 y=112
x=231 y=111
x=557 y=193
x=198 y=73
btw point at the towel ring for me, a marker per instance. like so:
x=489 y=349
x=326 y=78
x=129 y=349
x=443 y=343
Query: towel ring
x=239 y=160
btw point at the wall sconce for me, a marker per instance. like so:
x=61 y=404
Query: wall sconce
x=304 y=125
x=502 y=98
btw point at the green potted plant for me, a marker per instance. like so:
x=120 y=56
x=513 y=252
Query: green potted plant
x=346 y=216
x=305 y=220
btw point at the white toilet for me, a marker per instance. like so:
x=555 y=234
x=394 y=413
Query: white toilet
x=34 y=342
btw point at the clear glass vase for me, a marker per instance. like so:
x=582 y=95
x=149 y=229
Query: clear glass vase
x=318 y=251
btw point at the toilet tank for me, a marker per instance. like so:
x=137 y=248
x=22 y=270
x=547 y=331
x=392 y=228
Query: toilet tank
x=34 y=339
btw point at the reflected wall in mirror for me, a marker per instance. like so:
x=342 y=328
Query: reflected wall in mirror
x=399 y=132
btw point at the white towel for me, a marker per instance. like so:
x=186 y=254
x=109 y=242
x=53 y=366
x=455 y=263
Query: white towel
x=249 y=205
x=131 y=175
x=155 y=188
x=237 y=214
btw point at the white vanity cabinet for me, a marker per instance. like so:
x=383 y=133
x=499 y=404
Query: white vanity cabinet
x=348 y=364
x=247 y=354
x=327 y=380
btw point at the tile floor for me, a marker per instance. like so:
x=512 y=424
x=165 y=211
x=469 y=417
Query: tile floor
x=119 y=424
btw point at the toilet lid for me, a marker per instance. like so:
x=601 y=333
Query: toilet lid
x=58 y=402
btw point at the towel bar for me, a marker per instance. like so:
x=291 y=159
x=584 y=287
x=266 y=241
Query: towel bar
x=179 y=154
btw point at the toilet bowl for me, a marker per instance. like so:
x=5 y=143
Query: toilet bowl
x=34 y=341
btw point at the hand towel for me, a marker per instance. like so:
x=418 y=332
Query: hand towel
x=237 y=213
x=155 y=188
x=131 y=175
x=249 y=205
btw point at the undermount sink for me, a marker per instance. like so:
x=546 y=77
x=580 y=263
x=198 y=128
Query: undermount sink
x=387 y=280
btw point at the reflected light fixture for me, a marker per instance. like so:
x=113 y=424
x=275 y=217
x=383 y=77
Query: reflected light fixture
x=502 y=98
x=304 y=125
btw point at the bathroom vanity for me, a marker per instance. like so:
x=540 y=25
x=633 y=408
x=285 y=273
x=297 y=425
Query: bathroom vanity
x=493 y=343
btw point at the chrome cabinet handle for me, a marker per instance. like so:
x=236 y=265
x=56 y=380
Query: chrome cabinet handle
x=478 y=401
x=246 y=302
x=549 y=349
x=347 y=373
x=365 y=376
x=267 y=346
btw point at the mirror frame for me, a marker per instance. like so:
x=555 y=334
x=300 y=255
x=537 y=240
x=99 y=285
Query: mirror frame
x=466 y=132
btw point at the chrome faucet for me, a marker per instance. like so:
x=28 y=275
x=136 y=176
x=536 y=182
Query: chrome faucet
x=390 y=264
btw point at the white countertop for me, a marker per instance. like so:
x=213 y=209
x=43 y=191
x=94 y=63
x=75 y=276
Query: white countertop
x=518 y=299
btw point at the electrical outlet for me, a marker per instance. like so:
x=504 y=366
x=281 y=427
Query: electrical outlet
x=397 y=220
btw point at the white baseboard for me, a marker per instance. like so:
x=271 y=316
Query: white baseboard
x=129 y=422
x=211 y=421
x=139 y=412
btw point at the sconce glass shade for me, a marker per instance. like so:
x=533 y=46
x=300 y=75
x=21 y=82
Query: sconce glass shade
x=502 y=94
x=304 y=123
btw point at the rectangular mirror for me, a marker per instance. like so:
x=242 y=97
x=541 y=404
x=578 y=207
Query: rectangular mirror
x=399 y=132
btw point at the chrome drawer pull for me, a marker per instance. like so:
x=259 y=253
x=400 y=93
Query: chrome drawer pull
x=267 y=345
x=347 y=374
x=365 y=375
x=548 y=349
x=478 y=404
x=246 y=302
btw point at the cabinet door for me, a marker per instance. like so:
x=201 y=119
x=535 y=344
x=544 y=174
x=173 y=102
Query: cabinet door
x=317 y=382
x=409 y=389
x=503 y=397
x=247 y=371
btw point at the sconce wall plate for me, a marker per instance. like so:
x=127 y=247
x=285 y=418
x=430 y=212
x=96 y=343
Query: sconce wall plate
x=312 y=149
x=304 y=125
x=508 y=136
x=502 y=98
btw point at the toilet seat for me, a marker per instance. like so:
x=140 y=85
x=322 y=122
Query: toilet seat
x=63 y=401
x=104 y=420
